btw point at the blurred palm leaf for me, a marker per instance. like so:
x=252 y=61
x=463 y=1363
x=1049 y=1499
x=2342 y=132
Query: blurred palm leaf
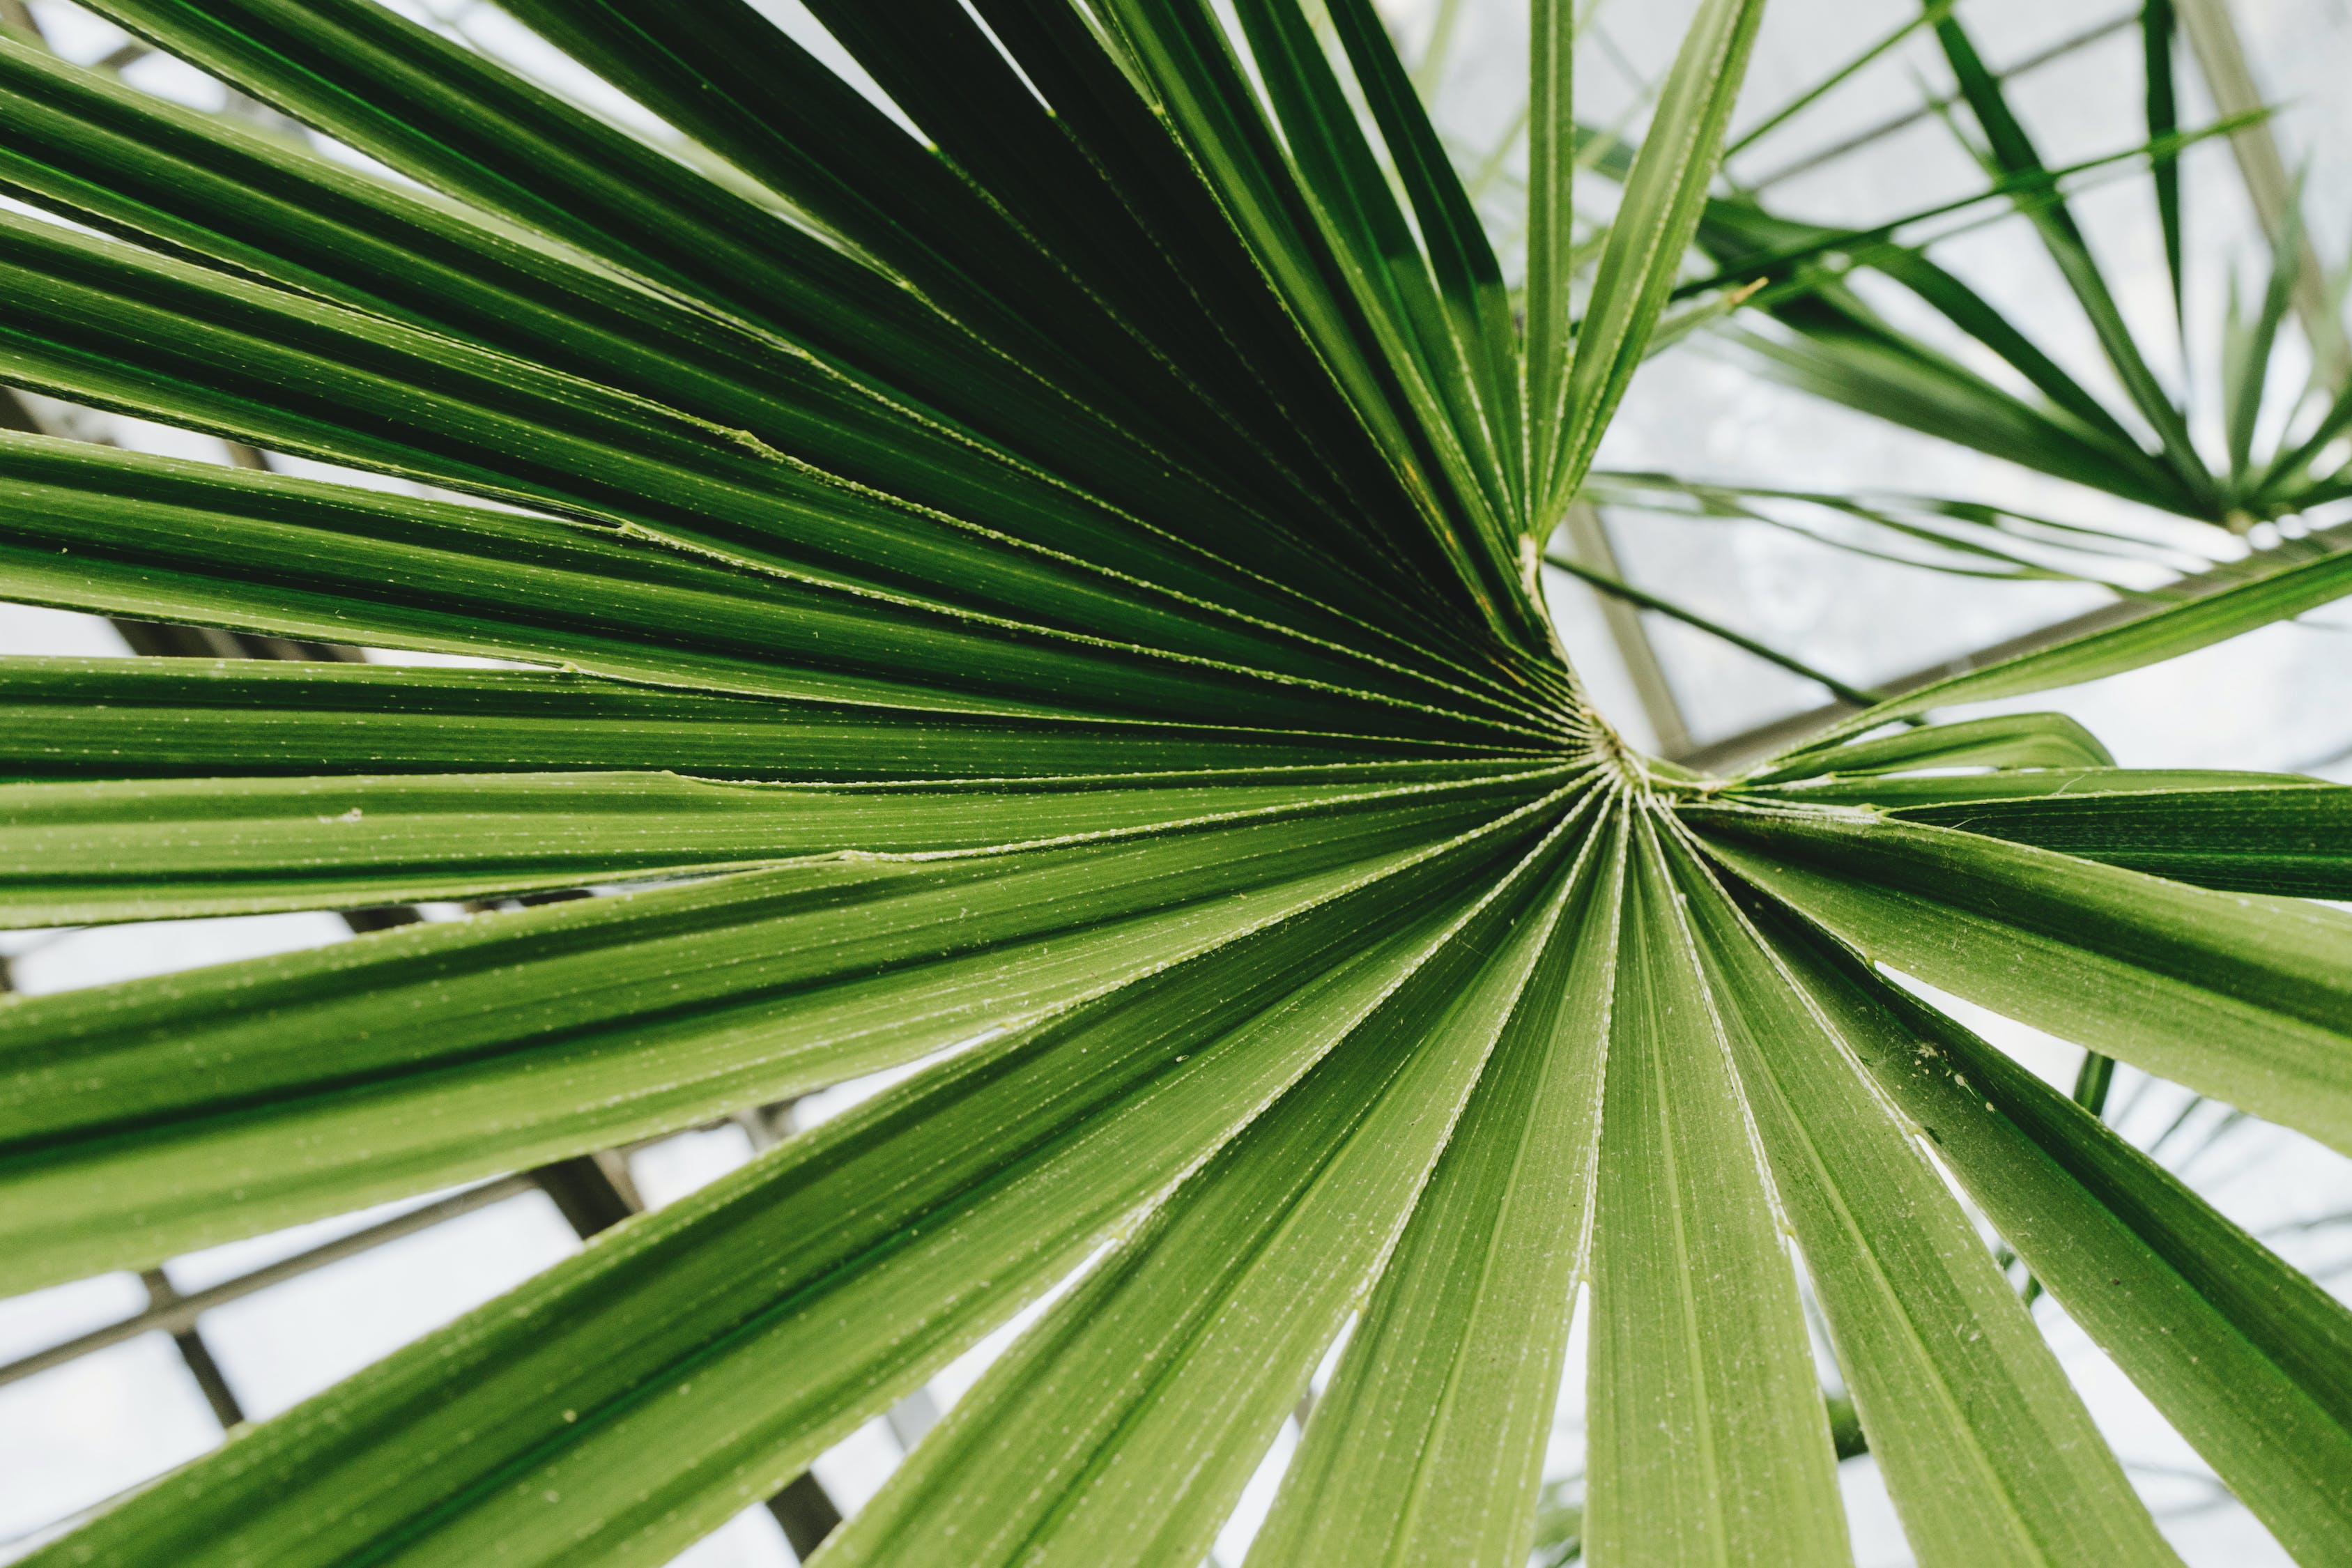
x=1059 y=596
x=1807 y=325
x=1825 y=339
x=1965 y=538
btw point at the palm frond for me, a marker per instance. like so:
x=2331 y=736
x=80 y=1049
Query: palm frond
x=1049 y=600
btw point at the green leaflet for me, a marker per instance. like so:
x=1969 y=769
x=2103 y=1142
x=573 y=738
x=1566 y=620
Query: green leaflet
x=2073 y=418
x=462 y=125
x=1733 y=227
x=2289 y=470
x=1090 y=79
x=1097 y=313
x=2243 y=1355
x=340 y=47
x=2004 y=740
x=132 y=164
x=989 y=122
x=1964 y=538
x=1932 y=13
x=1432 y=330
x=246 y=1097
x=1460 y=256
x=1429 y=1443
x=1707 y=1442
x=1988 y=1453
x=2244 y=997
x=1418 y=330
x=313 y=560
x=1844 y=353
x=2246 y=349
x=1617 y=588
x=294 y=374
x=706 y=1354
x=1906 y=792
x=179 y=718
x=457 y=121
x=1191 y=68
x=1107 y=1437
x=1551 y=231
x=1664 y=194
x=1837 y=348
x=445 y=578
x=135 y=165
x=77 y=854
x=2229 y=831
x=2157 y=27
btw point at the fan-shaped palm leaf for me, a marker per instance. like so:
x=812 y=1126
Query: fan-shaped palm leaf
x=1059 y=593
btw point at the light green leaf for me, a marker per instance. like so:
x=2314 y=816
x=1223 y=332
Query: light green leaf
x=190 y=541
x=99 y=718
x=2157 y=25
x=250 y=1096
x=1965 y=538
x=1200 y=87
x=2247 y=347
x=1123 y=1427
x=1551 y=239
x=2010 y=151
x=1461 y=258
x=2245 y=1356
x=82 y=854
x=1659 y=212
x=256 y=206
x=2002 y=740
x=1025 y=537
x=1417 y=331
x=1706 y=1439
x=1846 y=354
x=704 y=1354
x=2243 y=997
x=1988 y=1453
x=2232 y=831
x=1901 y=793
x=1430 y=1441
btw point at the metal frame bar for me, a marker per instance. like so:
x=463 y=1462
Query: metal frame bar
x=1587 y=534
x=176 y=1314
x=1762 y=740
